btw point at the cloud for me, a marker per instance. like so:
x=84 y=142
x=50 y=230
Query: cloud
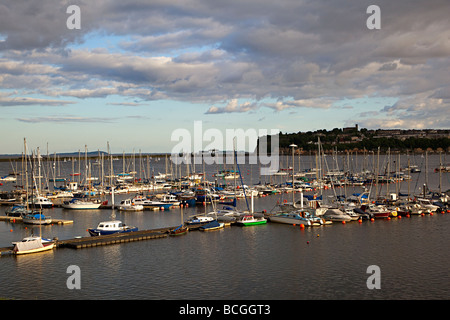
x=67 y=119
x=302 y=54
x=7 y=101
x=233 y=107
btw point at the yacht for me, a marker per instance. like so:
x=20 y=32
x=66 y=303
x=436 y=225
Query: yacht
x=110 y=227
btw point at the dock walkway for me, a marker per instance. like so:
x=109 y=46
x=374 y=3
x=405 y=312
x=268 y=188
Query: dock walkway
x=116 y=238
x=19 y=220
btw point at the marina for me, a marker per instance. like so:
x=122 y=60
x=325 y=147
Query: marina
x=313 y=247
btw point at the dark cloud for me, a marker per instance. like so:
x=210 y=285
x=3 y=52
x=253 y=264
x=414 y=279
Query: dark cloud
x=303 y=54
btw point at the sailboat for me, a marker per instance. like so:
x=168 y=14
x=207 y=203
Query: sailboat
x=181 y=229
x=32 y=244
x=248 y=218
x=214 y=224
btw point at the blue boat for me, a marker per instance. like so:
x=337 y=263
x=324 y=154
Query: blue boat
x=111 y=227
x=213 y=225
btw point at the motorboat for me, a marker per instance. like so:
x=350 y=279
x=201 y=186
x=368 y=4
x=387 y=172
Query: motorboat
x=199 y=219
x=170 y=198
x=250 y=220
x=336 y=215
x=151 y=204
x=291 y=217
x=129 y=205
x=81 y=204
x=41 y=202
x=17 y=211
x=111 y=227
x=378 y=211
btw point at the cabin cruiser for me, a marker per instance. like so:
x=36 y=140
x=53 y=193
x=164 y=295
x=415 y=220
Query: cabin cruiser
x=199 y=219
x=334 y=214
x=111 y=227
x=41 y=202
x=129 y=205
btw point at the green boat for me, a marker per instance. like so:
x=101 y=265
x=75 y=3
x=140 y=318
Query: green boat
x=250 y=220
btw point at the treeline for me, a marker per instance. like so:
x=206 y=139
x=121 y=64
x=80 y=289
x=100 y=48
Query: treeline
x=333 y=140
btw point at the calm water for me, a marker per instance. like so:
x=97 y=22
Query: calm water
x=270 y=261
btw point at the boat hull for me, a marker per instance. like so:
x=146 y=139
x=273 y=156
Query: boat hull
x=214 y=225
x=45 y=247
x=251 y=223
x=179 y=231
x=289 y=220
x=98 y=232
x=82 y=206
x=34 y=219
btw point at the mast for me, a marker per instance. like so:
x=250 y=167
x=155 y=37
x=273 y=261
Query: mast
x=293 y=191
x=26 y=173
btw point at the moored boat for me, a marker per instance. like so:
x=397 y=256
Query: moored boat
x=213 y=225
x=36 y=218
x=41 y=202
x=336 y=215
x=128 y=205
x=199 y=219
x=178 y=231
x=292 y=218
x=81 y=204
x=250 y=220
x=110 y=227
x=34 y=245
x=17 y=211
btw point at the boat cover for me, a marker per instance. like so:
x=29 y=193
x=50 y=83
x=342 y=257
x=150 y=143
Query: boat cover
x=29 y=245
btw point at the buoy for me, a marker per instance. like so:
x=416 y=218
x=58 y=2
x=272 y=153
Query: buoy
x=372 y=219
x=399 y=217
x=343 y=222
x=408 y=216
x=10 y=230
x=162 y=208
x=431 y=213
x=359 y=220
x=307 y=242
x=389 y=218
x=302 y=226
x=318 y=235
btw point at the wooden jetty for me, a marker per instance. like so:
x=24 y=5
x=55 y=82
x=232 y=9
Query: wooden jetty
x=116 y=238
x=19 y=220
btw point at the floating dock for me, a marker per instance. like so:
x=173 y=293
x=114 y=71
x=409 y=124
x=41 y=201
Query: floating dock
x=116 y=238
x=19 y=220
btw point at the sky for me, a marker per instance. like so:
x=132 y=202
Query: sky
x=138 y=70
